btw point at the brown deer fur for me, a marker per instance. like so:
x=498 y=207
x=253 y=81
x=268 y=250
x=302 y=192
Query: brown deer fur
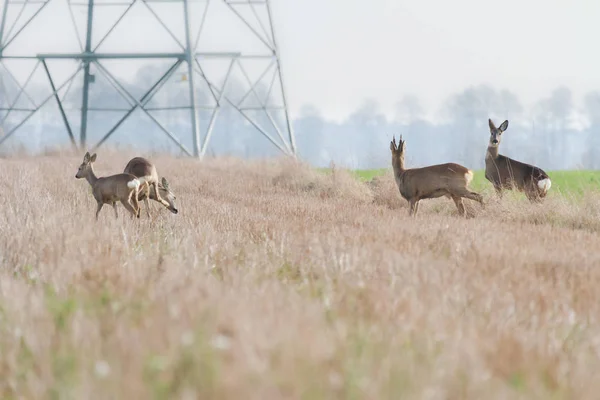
x=450 y=180
x=110 y=189
x=153 y=189
x=506 y=173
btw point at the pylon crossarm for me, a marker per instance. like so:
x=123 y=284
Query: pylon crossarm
x=146 y=97
x=14 y=129
x=115 y=83
x=60 y=106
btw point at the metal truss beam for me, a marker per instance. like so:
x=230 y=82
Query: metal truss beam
x=130 y=98
x=89 y=55
x=189 y=59
x=142 y=101
x=14 y=129
x=60 y=106
x=86 y=76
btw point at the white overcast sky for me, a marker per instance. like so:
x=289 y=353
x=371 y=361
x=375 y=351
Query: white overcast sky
x=338 y=53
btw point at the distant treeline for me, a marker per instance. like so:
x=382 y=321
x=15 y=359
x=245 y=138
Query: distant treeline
x=549 y=134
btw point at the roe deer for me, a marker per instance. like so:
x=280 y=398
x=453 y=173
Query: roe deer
x=110 y=189
x=142 y=168
x=506 y=173
x=450 y=180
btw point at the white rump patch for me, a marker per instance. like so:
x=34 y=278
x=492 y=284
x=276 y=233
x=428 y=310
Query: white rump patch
x=544 y=184
x=469 y=176
x=133 y=184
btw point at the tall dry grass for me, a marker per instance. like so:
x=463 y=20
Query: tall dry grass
x=276 y=282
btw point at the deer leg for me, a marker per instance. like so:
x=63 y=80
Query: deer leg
x=157 y=195
x=114 y=204
x=147 y=206
x=133 y=201
x=100 y=204
x=459 y=204
x=534 y=196
x=414 y=207
x=473 y=196
x=129 y=207
x=498 y=189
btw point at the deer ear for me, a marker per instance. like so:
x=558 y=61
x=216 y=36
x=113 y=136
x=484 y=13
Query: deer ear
x=503 y=126
x=491 y=124
x=93 y=157
x=86 y=157
x=165 y=183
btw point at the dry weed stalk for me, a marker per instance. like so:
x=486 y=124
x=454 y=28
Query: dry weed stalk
x=263 y=291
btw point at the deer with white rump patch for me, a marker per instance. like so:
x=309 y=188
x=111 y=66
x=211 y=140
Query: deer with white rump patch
x=506 y=173
x=450 y=180
x=110 y=189
x=152 y=188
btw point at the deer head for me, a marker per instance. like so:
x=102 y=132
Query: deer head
x=496 y=133
x=166 y=193
x=398 y=151
x=86 y=165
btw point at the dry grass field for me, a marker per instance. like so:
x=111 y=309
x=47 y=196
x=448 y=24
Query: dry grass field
x=276 y=281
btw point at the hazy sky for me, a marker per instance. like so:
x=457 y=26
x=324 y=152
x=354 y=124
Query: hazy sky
x=338 y=53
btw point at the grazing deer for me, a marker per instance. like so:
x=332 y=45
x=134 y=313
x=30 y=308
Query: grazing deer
x=142 y=168
x=506 y=173
x=450 y=180
x=110 y=189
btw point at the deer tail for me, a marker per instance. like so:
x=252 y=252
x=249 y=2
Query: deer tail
x=544 y=184
x=133 y=184
x=468 y=176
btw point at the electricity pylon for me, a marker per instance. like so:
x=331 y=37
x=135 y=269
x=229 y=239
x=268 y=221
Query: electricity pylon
x=22 y=16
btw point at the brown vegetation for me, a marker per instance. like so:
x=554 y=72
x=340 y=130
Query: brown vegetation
x=275 y=281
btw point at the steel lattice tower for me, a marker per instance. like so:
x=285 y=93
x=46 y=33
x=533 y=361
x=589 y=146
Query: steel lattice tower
x=19 y=16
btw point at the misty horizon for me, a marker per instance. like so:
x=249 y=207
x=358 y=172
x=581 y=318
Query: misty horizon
x=386 y=69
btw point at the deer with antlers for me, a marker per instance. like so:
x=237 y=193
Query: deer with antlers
x=415 y=184
x=507 y=174
x=110 y=189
